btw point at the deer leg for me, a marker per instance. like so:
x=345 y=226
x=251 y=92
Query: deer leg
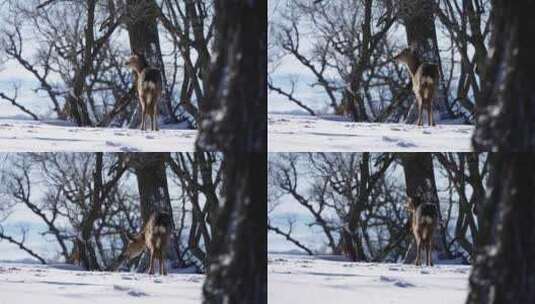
x=418 y=253
x=430 y=114
x=429 y=254
x=156 y=118
x=151 y=263
x=162 y=263
x=142 y=112
x=420 y=110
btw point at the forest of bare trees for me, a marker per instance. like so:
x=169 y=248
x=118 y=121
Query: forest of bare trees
x=347 y=50
x=89 y=202
x=75 y=52
x=356 y=201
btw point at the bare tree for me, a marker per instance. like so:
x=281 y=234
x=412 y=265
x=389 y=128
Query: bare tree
x=348 y=42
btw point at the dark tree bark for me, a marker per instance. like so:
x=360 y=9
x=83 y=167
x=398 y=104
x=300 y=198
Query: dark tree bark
x=419 y=19
x=233 y=120
x=237 y=259
x=506 y=112
x=152 y=182
x=503 y=269
x=420 y=182
x=233 y=114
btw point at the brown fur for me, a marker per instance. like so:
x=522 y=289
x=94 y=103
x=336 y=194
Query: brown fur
x=423 y=221
x=425 y=77
x=149 y=89
x=154 y=237
x=74 y=257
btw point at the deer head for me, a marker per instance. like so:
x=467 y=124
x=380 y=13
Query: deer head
x=136 y=62
x=135 y=245
x=404 y=55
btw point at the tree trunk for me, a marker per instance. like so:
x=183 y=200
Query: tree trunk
x=419 y=19
x=233 y=119
x=142 y=29
x=150 y=170
x=152 y=182
x=237 y=258
x=233 y=114
x=86 y=247
x=503 y=269
x=420 y=182
x=506 y=111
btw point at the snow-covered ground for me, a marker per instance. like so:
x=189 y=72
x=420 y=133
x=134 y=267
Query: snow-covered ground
x=300 y=133
x=60 y=284
x=303 y=279
x=38 y=136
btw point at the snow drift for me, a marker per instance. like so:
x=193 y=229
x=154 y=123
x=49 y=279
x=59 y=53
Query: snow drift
x=300 y=133
x=62 y=284
x=39 y=136
x=318 y=280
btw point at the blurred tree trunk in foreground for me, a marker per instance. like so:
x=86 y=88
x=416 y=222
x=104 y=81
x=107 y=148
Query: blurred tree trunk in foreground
x=234 y=112
x=233 y=120
x=503 y=269
x=237 y=257
x=506 y=111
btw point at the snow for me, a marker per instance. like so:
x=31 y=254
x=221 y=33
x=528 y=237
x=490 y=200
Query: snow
x=304 y=279
x=302 y=133
x=51 y=136
x=62 y=284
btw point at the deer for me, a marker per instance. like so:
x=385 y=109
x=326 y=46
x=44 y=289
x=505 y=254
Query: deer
x=423 y=221
x=149 y=89
x=154 y=236
x=425 y=78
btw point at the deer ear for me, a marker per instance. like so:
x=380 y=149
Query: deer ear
x=127 y=236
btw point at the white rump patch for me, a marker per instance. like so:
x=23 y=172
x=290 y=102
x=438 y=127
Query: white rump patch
x=149 y=85
x=428 y=80
x=427 y=219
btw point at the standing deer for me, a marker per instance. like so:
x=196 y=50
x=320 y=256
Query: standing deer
x=149 y=89
x=423 y=221
x=154 y=237
x=425 y=77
